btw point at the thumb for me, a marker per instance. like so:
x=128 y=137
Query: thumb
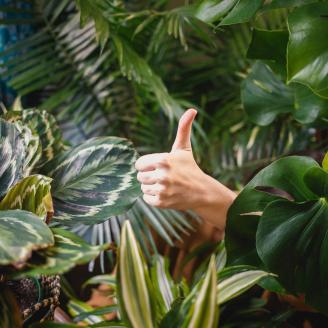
x=182 y=139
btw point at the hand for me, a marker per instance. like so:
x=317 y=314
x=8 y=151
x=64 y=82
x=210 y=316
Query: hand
x=174 y=180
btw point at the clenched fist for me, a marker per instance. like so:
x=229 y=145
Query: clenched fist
x=174 y=180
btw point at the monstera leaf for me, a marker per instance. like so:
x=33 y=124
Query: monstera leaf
x=265 y=96
x=307 y=49
x=9 y=311
x=68 y=251
x=21 y=233
x=280 y=222
x=12 y=155
x=30 y=194
x=94 y=181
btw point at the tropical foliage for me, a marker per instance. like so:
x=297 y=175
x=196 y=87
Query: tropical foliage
x=257 y=72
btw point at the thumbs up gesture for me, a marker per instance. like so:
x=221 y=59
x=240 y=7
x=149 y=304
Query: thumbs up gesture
x=174 y=180
x=170 y=180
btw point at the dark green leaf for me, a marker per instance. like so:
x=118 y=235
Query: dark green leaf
x=307 y=49
x=242 y=12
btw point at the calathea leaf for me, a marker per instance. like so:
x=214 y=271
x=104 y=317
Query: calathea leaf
x=21 y=233
x=68 y=251
x=10 y=316
x=44 y=125
x=307 y=49
x=135 y=291
x=12 y=155
x=94 y=181
x=30 y=194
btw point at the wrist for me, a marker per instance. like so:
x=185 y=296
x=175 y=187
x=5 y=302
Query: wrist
x=213 y=202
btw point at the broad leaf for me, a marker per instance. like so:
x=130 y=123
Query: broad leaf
x=31 y=194
x=265 y=96
x=268 y=45
x=68 y=251
x=237 y=284
x=94 y=181
x=307 y=49
x=10 y=316
x=21 y=233
x=12 y=154
x=242 y=12
x=243 y=216
x=204 y=313
x=292 y=242
x=212 y=10
x=134 y=288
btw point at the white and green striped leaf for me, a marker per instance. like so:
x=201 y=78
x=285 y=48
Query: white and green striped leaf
x=30 y=194
x=165 y=288
x=237 y=284
x=94 y=181
x=106 y=279
x=204 y=310
x=21 y=233
x=10 y=316
x=134 y=287
x=12 y=155
x=68 y=251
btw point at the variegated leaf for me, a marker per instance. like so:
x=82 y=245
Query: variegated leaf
x=21 y=233
x=106 y=279
x=30 y=194
x=45 y=125
x=12 y=156
x=94 y=181
x=77 y=308
x=134 y=290
x=238 y=283
x=68 y=251
x=204 y=312
x=10 y=316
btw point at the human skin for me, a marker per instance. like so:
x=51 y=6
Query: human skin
x=174 y=180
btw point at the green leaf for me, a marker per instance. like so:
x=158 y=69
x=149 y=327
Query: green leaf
x=134 y=288
x=292 y=241
x=268 y=45
x=106 y=279
x=308 y=106
x=10 y=316
x=21 y=233
x=94 y=181
x=237 y=284
x=307 y=49
x=316 y=180
x=278 y=4
x=243 y=12
x=30 y=194
x=204 y=312
x=68 y=251
x=212 y=10
x=286 y=177
x=325 y=163
x=80 y=309
x=264 y=96
x=165 y=288
x=12 y=154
